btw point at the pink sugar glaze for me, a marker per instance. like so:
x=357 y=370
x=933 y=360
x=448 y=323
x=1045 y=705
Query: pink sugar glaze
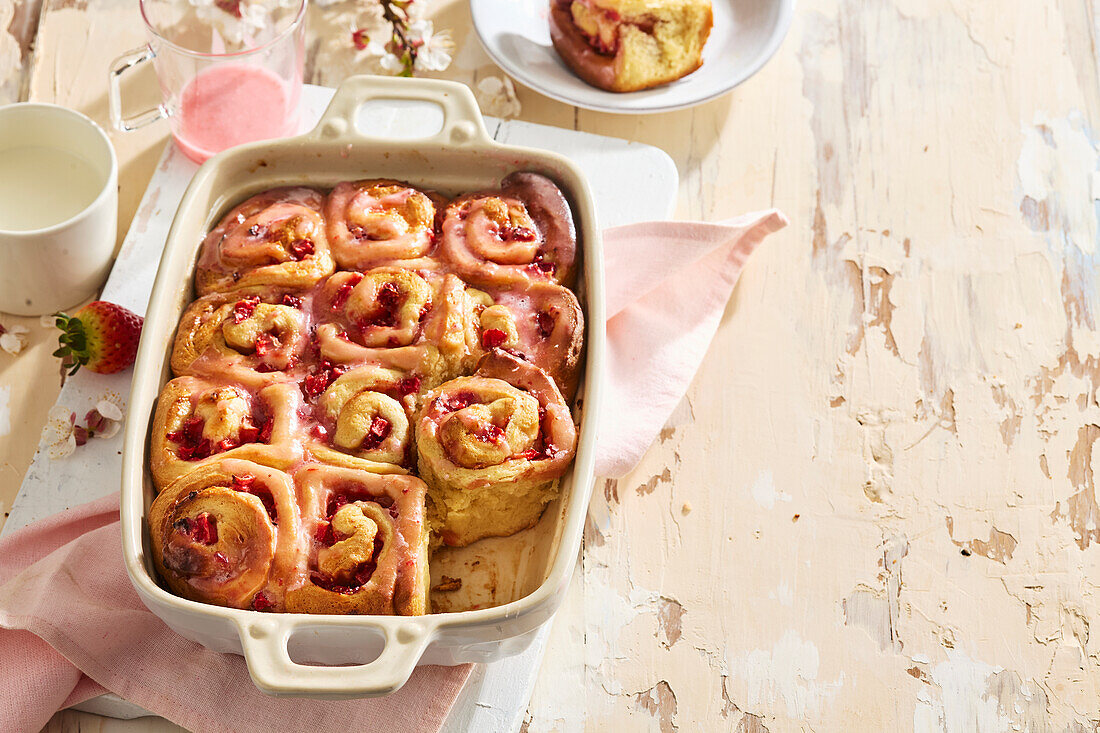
x=231 y=104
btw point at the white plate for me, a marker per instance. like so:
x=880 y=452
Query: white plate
x=516 y=34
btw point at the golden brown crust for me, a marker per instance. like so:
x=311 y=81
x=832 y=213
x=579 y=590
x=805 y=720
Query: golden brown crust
x=411 y=320
x=380 y=221
x=614 y=69
x=198 y=422
x=519 y=234
x=249 y=335
x=542 y=322
x=275 y=238
x=369 y=543
x=585 y=61
x=229 y=533
x=490 y=445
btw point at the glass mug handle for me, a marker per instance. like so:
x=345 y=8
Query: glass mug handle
x=119 y=66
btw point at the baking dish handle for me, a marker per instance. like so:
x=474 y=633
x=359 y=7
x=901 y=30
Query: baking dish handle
x=265 y=644
x=462 y=122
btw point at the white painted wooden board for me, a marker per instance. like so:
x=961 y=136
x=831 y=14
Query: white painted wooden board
x=497 y=694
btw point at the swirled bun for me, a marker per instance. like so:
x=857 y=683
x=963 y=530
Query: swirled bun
x=276 y=238
x=628 y=45
x=490 y=446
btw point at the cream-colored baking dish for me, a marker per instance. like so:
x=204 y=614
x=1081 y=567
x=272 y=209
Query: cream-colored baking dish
x=512 y=586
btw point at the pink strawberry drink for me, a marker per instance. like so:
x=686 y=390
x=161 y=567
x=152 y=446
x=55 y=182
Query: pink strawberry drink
x=231 y=104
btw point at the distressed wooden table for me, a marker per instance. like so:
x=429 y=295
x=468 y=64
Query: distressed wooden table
x=876 y=508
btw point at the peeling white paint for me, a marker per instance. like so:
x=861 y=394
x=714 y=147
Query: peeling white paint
x=5 y=409
x=786 y=674
x=972 y=696
x=782 y=593
x=961 y=704
x=764 y=492
x=11 y=55
x=1057 y=164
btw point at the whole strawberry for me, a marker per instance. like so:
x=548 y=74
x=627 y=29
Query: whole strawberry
x=101 y=336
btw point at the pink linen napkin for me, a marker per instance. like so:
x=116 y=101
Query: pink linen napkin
x=62 y=581
x=72 y=627
x=667 y=284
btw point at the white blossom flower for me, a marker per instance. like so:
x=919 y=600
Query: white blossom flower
x=62 y=434
x=391 y=63
x=48 y=321
x=497 y=97
x=57 y=435
x=109 y=409
x=434 y=53
x=13 y=339
x=106 y=420
x=255 y=16
x=234 y=21
x=370 y=32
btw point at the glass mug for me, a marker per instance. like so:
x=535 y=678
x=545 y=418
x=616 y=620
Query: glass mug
x=229 y=73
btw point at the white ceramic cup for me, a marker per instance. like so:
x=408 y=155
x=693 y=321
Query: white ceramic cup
x=58 y=264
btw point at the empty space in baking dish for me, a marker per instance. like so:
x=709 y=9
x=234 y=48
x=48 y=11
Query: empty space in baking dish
x=493 y=571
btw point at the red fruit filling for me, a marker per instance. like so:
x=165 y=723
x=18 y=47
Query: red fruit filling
x=344 y=291
x=265 y=344
x=202 y=529
x=247 y=484
x=243 y=483
x=316 y=383
x=264 y=435
x=490 y=433
x=545 y=323
x=262 y=603
x=361 y=576
x=319 y=432
x=334 y=504
x=244 y=309
x=324 y=534
x=227 y=444
x=459 y=401
x=379 y=430
x=389 y=303
x=541 y=264
x=292 y=301
x=249 y=434
x=197 y=452
x=517 y=234
x=191 y=445
x=409 y=385
x=492 y=338
x=300 y=249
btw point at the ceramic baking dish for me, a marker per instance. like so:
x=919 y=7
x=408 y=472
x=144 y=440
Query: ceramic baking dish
x=512 y=586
